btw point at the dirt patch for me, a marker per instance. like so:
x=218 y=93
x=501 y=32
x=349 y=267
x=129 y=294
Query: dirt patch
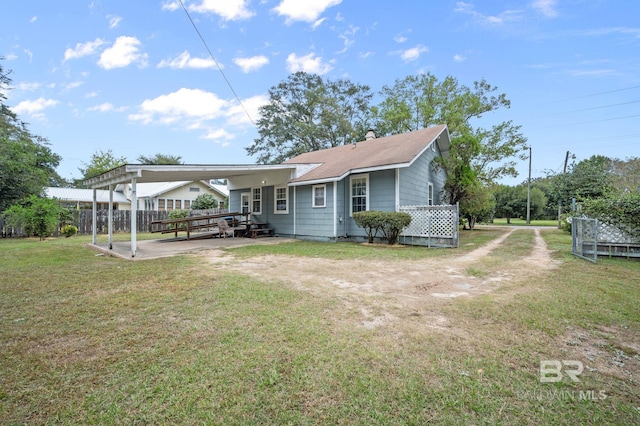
x=398 y=287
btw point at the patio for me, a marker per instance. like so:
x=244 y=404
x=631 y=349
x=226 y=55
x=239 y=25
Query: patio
x=155 y=249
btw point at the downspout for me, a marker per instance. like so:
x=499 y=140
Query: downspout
x=397 y=189
x=134 y=217
x=295 y=190
x=335 y=211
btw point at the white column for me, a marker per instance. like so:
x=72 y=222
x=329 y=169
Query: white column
x=94 y=217
x=335 y=209
x=110 y=216
x=294 y=210
x=134 y=217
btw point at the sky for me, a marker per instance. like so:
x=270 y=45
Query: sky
x=145 y=77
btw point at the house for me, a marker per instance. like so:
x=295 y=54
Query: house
x=317 y=200
x=313 y=196
x=150 y=196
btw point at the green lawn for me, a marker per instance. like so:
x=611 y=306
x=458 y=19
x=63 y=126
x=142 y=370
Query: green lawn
x=92 y=339
x=523 y=222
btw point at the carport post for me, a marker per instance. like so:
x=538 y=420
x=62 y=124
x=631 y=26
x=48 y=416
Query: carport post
x=134 y=217
x=110 y=217
x=94 y=217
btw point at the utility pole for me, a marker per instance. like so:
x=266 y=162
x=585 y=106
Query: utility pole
x=564 y=170
x=529 y=191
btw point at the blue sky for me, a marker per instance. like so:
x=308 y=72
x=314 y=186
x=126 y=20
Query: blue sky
x=135 y=78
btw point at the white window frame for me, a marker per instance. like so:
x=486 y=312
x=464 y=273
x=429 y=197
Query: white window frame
x=367 y=193
x=248 y=205
x=286 y=200
x=313 y=196
x=430 y=194
x=254 y=200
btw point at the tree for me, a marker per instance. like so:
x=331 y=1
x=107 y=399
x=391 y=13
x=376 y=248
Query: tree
x=160 y=159
x=508 y=204
x=477 y=205
x=39 y=216
x=101 y=162
x=204 y=202
x=307 y=113
x=461 y=178
x=27 y=164
x=421 y=101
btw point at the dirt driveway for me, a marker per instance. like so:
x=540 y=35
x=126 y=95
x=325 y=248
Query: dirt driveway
x=382 y=290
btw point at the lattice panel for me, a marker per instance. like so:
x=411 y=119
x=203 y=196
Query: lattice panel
x=613 y=234
x=431 y=221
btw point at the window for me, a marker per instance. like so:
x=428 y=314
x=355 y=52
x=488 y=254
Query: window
x=430 y=195
x=319 y=195
x=178 y=204
x=256 y=201
x=282 y=200
x=187 y=204
x=359 y=192
x=244 y=202
x=161 y=204
x=194 y=189
x=433 y=146
x=169 y=204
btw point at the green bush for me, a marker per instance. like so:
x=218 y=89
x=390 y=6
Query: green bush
x=178 y=214
x=390 y=223
x=204 y=202
x=69 y=230
x=621 y=211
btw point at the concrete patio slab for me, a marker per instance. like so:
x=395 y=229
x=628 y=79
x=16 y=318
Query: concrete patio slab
x=155 y=249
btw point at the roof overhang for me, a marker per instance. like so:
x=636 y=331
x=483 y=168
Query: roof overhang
x=182 y=172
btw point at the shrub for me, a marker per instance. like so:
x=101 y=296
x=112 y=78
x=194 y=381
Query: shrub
x=390 y=223
x=69 y=230
x=204 y=202
x=622 y=211
x=178 y=214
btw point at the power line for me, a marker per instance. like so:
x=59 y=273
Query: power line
x=592 y=94
x=594 y=121
x=216 y=62
x=599 y=107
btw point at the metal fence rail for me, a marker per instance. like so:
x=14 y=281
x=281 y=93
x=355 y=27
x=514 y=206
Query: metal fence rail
x=584 y=237
x=592 y=238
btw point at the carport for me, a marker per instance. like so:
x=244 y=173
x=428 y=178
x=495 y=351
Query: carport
x=237 y=176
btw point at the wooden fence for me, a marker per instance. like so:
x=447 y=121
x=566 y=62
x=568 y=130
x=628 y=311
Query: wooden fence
x=121 y=221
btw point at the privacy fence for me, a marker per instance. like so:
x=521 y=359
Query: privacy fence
x=121 y=221
x=431 y=226
x=592 y=238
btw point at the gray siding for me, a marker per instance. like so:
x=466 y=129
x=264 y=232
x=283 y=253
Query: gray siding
x=415 y=178
x=382 y=197
x=314 y=221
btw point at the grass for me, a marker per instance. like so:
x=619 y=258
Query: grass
x=94 y=339
x=523 y=222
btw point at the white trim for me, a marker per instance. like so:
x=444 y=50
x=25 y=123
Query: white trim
x=295 y=193
x=397 y=206
x=430 y=194
x=335 y=210
x=367 y=192
x=286 y=200
x=324 y=196
x=248 y=195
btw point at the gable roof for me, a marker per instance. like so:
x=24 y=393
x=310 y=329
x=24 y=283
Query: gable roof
x=373 y=154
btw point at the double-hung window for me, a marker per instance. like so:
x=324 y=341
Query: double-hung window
x=430 y=195
x=359 y=190
x=319 y=194
x=282 y=200
x=256 y=201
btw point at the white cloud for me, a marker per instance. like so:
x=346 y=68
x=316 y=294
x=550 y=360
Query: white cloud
x=348 y=38
x=105 y=107
x=236 y=114
x=184 y=61
x=308 y=63
x=170 y=5
x=124 y=52
x=230 y=10
x=185 y=105
x=114 y=21
x=73 y=85
x=33 y=19
x=83 y=49
x=307 y=11
x=219 y=135
x=29 y=87
x=317 y=23
x=251 y=64
x=400 y=38
x=11 y=57
x=488 y=20
x=91 y=95
x=546 y=7
x=34 y=107
x=459 y=58
x=413 y=53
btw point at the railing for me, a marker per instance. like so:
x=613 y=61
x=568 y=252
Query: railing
x=433 y=226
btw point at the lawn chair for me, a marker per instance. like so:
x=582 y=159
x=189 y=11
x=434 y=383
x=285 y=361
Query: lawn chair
x=224 y=229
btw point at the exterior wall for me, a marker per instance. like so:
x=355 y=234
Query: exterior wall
x=314 y=222
x=414 y=180
x=382 y=197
